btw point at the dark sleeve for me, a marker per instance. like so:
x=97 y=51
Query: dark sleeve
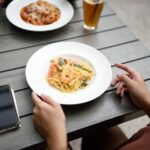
x=140 y=141
x=6 y=3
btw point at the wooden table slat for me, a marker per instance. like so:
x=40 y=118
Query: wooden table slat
x=24 y=39
x=2 y=14
x=113 y=54
x=96 y=114
x=24 y=97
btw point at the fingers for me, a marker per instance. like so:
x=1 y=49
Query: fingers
x=126 y=79
x=45 y=99
x=123 y=81
x=119 y=78
x=115 y=81
x=36 y=121
x=122 y=92
x=37 y=101
x=35 y=110
x=127 y=69
x=119 y=88
x=49 y=100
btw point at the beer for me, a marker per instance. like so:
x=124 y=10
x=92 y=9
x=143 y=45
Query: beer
x=92 y=11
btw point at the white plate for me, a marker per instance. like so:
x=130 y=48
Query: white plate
x=38 y=64
x=14 y=8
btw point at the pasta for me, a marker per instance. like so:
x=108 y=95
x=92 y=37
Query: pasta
x=68 y=75
x=40 y=13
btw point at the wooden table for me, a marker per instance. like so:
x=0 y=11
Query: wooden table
x=111 y=37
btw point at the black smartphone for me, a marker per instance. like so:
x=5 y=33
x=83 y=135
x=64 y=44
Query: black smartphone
x=9 y=118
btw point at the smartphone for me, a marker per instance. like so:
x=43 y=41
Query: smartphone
x=9 y=118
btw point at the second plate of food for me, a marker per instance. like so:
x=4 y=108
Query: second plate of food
x=39 y=15
x=69 y=72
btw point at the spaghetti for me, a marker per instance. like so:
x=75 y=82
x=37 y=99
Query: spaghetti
x=40 y=13
x=68 y=75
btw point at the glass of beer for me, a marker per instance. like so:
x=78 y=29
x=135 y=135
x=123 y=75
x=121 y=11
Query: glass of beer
x=92 y=10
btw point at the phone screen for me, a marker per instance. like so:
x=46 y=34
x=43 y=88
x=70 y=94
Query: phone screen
x=8 y=112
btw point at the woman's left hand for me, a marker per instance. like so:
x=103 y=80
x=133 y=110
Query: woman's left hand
x=49 y=120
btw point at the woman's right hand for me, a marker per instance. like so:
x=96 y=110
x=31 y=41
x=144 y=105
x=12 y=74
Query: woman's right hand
x=133 y=83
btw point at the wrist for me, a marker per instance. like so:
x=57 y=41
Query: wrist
x=57 y=143
x=146 y=106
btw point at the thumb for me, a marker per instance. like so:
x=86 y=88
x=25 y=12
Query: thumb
x=37 y=101
x=48 y=100
x=127 y=80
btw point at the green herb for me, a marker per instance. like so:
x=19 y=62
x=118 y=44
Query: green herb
x=87 y=70
x=61 y=61
x=84 y=83
x=81 y=67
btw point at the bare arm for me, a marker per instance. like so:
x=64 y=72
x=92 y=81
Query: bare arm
x=133 y=83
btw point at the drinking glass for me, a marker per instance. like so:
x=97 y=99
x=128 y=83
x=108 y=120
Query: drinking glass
x=91 y=11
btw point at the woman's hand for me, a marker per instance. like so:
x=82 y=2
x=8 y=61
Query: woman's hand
x=49 y=120
x=133 y=83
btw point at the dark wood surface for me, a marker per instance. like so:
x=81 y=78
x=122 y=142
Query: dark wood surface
x=111 y=37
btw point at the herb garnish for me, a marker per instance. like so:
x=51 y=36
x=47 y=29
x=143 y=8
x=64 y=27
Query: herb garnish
x=61 y=61
x=81 y=67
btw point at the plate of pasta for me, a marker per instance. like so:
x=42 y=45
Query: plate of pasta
x=69 y=72
x=39 y=15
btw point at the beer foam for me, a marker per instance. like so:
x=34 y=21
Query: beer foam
x=94 y=1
